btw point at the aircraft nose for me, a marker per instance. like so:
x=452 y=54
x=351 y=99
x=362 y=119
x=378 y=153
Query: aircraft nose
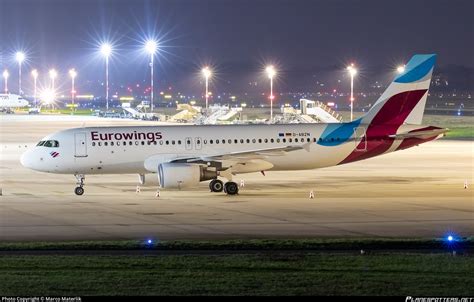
x=24 y=159
x=27 y=160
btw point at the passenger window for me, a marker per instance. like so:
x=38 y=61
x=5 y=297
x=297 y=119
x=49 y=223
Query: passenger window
x=223 y=141
x=236 y=141
x=205 y=142
x=278 y=140
x=229 y=141
x=173 y=142
x=217 y=141
x=161 y=142
x=241 y=141
x=284 y=140
x=106 y=143
x=254 y=141
x=272 y=140
x=308 y=140
x=130 y=143
x=248 y=141
x=111 y=143
x=99 y=143
x=167 y=142
x=93 y=144
x=118 y=143
x=260 y=140
x=266 y=140
x=211 y=141
x=154 y=143
x=291 y=140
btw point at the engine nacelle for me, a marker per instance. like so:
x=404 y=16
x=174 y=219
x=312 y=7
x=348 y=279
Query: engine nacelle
x=183 y=175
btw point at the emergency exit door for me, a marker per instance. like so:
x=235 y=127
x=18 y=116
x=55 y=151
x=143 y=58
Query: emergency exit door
x=188 y=143
x=80 y=143
x=197 y=143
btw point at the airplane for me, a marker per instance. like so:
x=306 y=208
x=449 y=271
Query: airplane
x=184 y=156
x=10 y=101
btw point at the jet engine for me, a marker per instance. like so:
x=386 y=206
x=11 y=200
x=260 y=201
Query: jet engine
x=180 y=175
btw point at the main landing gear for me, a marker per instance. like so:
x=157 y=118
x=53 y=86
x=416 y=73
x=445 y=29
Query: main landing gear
x=79 y=190
x=230 y=187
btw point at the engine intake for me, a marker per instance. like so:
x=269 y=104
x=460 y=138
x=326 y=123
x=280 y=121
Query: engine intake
x=182 y=175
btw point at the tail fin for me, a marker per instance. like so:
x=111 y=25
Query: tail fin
x=404 y=100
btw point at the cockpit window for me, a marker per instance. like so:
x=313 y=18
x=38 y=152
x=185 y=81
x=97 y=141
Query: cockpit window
x=49 y=144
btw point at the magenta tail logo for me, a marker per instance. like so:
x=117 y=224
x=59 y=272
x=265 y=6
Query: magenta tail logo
x=54 y=154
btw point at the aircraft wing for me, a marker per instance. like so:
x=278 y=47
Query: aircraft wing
x=421 y=134
x=242 y=156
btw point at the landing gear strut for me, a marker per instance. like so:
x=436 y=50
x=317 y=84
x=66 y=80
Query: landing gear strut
x=79 y=190
x=216 y=185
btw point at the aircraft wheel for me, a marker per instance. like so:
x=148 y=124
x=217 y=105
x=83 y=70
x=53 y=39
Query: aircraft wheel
x=216 y=185
x=79 y=190
x=231 y=188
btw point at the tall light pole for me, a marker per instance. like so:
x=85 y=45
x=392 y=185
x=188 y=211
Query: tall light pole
x=106 y=50
x=151 y=47
x=352 y=72
x=52 y=76
x=72 y=74
x=6 y=74
x=271 y=72
x=34 y=73
x=207 y=73
x=20 y=57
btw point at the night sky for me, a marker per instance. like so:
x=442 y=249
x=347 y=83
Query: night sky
x=236 y=37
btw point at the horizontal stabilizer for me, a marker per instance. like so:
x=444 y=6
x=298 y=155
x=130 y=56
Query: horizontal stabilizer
x=421 y=134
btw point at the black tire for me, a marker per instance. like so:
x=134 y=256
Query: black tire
x=216 y=185
x=231 y=188
x=79 y=190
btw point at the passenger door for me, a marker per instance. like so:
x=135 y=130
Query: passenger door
x=80 y=144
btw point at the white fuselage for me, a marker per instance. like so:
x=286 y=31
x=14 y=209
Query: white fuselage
x=134 y=149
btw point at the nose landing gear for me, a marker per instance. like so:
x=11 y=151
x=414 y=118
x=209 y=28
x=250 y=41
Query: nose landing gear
x=79 y=190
